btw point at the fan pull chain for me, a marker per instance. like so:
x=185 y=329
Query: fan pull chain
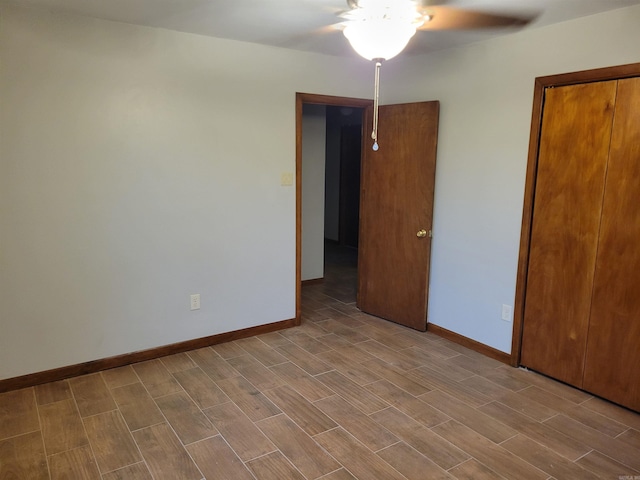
x=376 y=90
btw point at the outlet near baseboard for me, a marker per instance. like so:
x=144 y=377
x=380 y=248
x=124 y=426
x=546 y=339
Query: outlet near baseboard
x=195 y=301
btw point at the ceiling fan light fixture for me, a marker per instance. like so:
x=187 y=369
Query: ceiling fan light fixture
x=381 y=29
x=379 y=39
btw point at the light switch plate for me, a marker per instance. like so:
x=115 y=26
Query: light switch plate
x=286 y=179
x=506 y=312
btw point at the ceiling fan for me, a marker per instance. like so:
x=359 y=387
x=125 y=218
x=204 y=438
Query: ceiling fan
x=380 y=29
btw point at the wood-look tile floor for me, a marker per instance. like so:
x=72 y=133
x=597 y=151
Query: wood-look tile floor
x=343 y=396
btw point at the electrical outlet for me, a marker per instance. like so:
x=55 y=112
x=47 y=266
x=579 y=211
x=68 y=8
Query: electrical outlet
x=506 y=312
x=195 y=301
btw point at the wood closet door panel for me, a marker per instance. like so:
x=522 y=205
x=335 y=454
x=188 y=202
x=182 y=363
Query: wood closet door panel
x=572 y=159
x=612 y=367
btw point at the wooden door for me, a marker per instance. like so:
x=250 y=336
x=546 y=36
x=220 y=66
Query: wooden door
x=396 y=203
x=572 y=160
x=612 y=367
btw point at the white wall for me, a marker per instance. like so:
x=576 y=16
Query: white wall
x=486 y=95
x=314 y=128
x=138 y=166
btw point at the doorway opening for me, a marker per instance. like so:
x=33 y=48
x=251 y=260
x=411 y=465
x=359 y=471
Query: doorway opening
x=328 y=159
x=342 y=201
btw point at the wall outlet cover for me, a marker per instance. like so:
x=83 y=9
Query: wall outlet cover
x=195 y=301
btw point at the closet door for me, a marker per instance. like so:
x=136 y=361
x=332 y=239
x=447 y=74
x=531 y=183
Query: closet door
x=612 y=367
x=572 y=160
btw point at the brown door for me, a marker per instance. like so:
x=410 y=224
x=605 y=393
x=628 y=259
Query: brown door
x=572 y=160
x=612 y=367
x=396 y=204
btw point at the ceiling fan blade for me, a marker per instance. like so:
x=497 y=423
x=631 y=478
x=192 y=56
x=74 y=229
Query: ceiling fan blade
x=449 y=18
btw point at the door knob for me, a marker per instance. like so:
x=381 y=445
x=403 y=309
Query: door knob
x=421 y=234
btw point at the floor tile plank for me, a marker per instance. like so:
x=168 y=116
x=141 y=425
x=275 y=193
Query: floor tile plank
x=352 y=392
x=585 y=416
x=509 y=377
x=388 y=355
x=334 y=341
x=299 y=448
x=164 y=454
x=274 y=466
x=553 y=386
x=277 y=339
x=435 y=380
x=474 y=470
x=204 y=391
x=300 y=410
x=250 y=400
x=92 y=395
x=241 y=433
x=255 y=372
x=178 y=362
x=77 y=464
x=216 y=460
x=302 y=382
x=515 y=400
x=616 y=449
x=613 y=411
x=229 y=350
x=632 y=437
x=264 y=353
x=347 y=367
x=137 y=407
x=18 y=413
x=187 y=420
x=156 y=378
x=23 y=457
x=424 y=440
x=309 y=363
x=213 y=364
x=53 y=392
x=556 y=441
x=450 y=370
x=338 y=326
x=485 y=451
x=412 y=464
x=545 y=459
x=356 y=458
x=477 y=364
x=62 y=427
x=111 y=441
x=396 y=376
x=306 y=342
x=469 y=416
x=119 y=377
x=137 y=471
x=405 y=402
x=605 y=467
x=355 y=422
x=341 y=474
x=353 y=352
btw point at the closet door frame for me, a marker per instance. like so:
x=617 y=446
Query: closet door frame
x=542 y=83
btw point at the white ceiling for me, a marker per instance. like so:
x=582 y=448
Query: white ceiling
x=301 y=24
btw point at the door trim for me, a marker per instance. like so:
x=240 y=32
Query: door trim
x=541 y=83
x=312 y=99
